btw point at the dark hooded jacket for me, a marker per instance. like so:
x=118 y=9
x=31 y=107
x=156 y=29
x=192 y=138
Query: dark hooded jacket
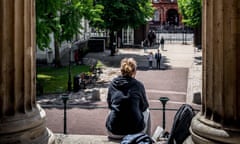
x=126 y=100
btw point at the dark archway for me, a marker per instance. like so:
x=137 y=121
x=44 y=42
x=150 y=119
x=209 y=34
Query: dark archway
x=172 y=17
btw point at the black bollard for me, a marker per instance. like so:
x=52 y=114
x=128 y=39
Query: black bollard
x=65 y=97
x=164 y=101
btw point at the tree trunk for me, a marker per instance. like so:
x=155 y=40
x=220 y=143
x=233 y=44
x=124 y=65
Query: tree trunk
x=112 y=40
x=57 y=60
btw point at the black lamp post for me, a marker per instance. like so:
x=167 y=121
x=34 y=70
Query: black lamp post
x=183 y=35
x=69 y=70
x=164 y=101
x=65 y=97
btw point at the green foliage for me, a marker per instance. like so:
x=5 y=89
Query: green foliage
x=55 y=80
x=63 y=18
x=46 y=20
x=191 y=11
x=118 y=14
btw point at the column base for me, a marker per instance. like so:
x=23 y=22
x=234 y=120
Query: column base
x=205 y=131
x=28 y=128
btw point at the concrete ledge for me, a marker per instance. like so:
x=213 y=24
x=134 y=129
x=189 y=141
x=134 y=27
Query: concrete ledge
x=84 y=139
x=194 y=88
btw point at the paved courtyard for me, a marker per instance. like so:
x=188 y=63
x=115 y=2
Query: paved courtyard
x=87 y=117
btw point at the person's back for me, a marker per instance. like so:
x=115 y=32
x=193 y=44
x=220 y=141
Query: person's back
x=127 y=102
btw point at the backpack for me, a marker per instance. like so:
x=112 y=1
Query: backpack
x=182 y=121
x=139 y=138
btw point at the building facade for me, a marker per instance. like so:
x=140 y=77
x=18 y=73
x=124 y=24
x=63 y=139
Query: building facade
x=166 y=13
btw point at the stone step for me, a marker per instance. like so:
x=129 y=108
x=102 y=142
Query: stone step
x=96 y=139
x=83 y=139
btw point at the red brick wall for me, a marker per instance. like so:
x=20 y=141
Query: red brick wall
x=163 y=7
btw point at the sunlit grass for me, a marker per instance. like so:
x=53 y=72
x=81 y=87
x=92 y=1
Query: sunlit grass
x=43 y=76
x=55 y=80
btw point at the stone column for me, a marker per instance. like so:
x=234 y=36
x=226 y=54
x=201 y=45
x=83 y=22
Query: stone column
x=22 y=121
x=219 y=120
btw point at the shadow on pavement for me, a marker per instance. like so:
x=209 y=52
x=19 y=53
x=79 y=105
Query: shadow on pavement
x=114 y=61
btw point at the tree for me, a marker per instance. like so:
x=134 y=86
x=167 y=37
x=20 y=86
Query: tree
x=118 y=14
x=46 y=20
x=191 y=11
x=63 y=19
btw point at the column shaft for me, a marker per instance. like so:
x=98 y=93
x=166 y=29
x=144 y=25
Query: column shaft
x=21 y=119
x=220 y=115
x=17 y=68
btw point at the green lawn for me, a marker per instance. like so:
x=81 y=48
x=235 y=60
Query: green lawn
x=55 y=80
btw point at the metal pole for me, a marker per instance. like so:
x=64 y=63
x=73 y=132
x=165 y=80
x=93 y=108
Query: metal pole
x=164 y=101
x=183 y=35
x=65 y=117
x=185 y=38
x=69 y=71
x=65 y=98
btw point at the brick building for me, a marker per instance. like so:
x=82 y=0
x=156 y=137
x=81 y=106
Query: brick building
x=166 y=16
x=166 y=13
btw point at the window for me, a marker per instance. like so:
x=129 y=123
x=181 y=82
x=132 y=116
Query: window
x=128 y=35
x=156 y=16
x=156 y=1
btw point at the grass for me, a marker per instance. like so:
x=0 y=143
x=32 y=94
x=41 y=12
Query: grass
x=55 y=80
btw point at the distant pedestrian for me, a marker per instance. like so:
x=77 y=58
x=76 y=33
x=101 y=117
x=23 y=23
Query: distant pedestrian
x=150 y=59
x=151 y=38
x=119 y=42
x=158 y=57
x=145 y=45
x=162 y=43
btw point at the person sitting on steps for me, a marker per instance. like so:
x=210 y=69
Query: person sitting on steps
x=128 y=104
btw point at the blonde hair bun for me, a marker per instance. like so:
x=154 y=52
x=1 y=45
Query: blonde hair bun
x=128 y=66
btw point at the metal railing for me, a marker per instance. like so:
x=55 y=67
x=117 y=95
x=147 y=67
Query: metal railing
x=163 y=100
x=173 y=38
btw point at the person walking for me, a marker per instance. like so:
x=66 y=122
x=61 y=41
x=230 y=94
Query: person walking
x=151 y=38
x=158 y=57
x=162 y=41
x=150 y=59
x=128 y=104
x=145 y=45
